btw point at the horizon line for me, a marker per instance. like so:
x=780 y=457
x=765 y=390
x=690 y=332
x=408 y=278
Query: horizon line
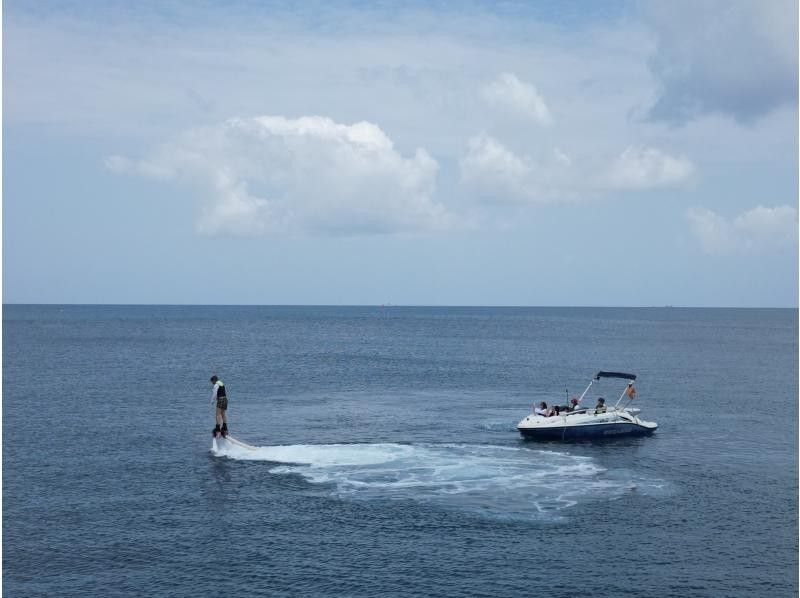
x=403 y=305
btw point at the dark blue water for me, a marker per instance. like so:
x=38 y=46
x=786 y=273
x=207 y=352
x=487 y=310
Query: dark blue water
x=388 y=460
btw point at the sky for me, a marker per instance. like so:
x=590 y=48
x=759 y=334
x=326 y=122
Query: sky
x=607 y=153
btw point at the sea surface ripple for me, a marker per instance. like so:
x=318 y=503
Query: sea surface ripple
x=385 y=458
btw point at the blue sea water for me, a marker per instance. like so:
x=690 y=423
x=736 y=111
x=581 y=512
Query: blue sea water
x=388 y=461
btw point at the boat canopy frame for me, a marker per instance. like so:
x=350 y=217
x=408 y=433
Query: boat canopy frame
x=602 y=374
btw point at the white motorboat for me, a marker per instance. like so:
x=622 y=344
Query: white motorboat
x=575 y=422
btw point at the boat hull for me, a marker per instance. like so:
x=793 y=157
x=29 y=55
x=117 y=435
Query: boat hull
x=585 y=432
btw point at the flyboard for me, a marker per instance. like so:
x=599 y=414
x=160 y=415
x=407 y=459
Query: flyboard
x=222 y=443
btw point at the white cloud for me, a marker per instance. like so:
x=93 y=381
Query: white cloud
x=758 y=230
x=274 y=174
x=646 y=168
x=519 y=98
x=492 y=171
x=735 y=57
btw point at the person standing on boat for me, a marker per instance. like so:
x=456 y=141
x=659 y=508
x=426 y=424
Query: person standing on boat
x=219 y=397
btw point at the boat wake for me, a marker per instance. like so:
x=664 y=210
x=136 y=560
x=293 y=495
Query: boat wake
x=494 y=480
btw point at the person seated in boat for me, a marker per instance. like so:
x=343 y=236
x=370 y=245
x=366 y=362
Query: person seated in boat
x=574 y=404
x=542 y=410
x=601 y=406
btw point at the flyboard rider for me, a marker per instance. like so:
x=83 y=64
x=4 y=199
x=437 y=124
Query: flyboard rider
x=219 y=398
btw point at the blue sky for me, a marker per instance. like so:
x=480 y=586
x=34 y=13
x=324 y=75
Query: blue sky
x=542 y=153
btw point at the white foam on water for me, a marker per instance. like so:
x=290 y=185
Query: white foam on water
x=502 y=481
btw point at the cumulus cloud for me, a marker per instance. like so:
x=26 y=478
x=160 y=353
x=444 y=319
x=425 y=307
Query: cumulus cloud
x=735 y=57
x=490 y=168
x=274 y=174
x=519 y=98
x=758 y=230
x=647 y=168
x=492 y=171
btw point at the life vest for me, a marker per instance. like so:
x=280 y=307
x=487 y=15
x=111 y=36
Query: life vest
x=221 y=390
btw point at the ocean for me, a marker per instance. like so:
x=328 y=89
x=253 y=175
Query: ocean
x=388 y=459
